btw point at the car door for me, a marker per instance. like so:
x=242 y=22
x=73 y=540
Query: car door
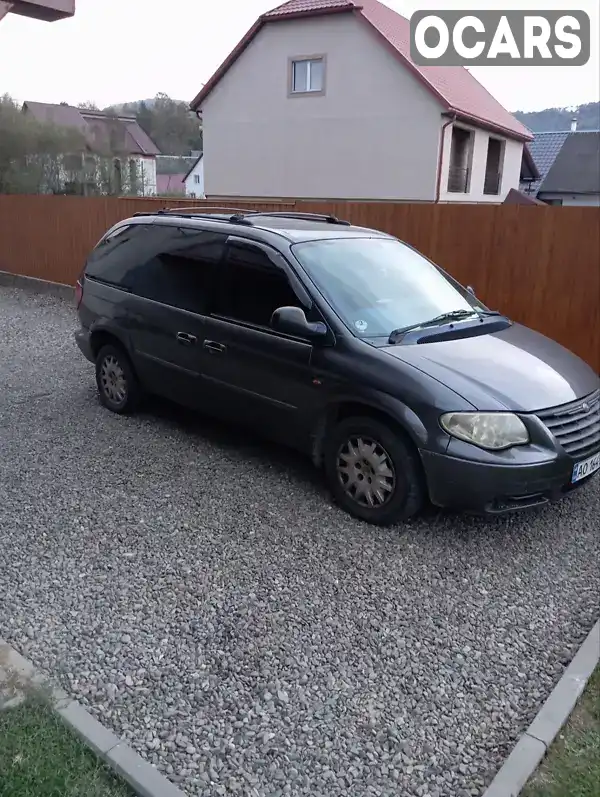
x=256 y=375
x=167 y=306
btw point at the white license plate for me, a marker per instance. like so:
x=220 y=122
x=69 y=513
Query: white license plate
x=586 y=468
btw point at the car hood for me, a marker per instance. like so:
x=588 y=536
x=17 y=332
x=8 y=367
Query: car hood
x=515 y=369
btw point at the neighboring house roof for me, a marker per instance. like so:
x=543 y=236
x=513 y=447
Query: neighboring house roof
x=576 y=168
x=196 y=162
x=529 y=170
x=102 y=131
x=170 y=184
x=454 y=87
x=544 y=148
x=515 y=197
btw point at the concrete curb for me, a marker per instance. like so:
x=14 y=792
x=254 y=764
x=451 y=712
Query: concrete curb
x=532 y=746
x=143 y=778
x=37 y=285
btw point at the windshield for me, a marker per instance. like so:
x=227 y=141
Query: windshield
x=378 y=285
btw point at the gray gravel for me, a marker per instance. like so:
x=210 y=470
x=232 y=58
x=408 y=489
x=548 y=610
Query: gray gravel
x=196 y=589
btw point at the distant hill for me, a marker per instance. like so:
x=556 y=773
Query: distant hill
x=588 y=118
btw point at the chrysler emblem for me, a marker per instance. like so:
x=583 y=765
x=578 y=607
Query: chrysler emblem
x=585 y=406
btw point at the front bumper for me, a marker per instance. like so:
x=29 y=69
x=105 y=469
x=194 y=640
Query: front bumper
x=457 y=483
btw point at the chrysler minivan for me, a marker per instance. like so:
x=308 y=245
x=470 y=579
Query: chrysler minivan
x=346 y=344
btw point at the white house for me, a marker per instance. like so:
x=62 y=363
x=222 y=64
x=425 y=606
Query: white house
x=321 y=100
x=194 y=180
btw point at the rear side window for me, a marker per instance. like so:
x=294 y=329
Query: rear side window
x=113 y=260
x=180 y=268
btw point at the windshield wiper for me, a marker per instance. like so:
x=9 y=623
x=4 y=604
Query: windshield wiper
x=453 y=315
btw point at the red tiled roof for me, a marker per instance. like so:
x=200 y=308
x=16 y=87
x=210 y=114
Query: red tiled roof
x=455 y=88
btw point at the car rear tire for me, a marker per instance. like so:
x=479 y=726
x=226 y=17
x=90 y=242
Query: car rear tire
x=373 y=472
x=118 y=386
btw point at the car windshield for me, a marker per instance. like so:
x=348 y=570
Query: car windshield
x=378 y=285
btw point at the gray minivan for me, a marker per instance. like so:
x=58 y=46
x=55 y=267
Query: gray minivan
x=344 y=343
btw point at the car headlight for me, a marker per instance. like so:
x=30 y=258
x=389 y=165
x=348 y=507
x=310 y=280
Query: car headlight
x=491 y=430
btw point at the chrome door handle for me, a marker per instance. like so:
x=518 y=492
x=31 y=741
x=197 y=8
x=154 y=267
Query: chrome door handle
x=213 y=347
x=186 y=339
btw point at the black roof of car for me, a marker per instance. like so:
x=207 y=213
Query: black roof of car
x=293 y=226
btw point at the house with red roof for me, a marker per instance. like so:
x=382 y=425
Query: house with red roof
x=321 y=100
x=116 y=157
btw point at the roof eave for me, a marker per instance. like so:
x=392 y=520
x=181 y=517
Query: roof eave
x=528 y=157
x=487 y=125
x=397 y=54
x=573 y=191
x=196 y=103
x=508 y=132
x=247 y=39
x=196 y=162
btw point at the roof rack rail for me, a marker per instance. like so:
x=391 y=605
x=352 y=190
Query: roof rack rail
x=237 y=216
x=288 y=214
x=203 y=209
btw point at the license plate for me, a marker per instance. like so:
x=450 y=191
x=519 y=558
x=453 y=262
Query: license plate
x=586 y=468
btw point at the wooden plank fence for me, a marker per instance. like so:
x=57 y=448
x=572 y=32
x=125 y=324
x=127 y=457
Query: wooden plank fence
x=539 y=265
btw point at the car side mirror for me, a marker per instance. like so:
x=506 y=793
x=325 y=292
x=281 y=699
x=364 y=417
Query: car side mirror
x=471 y=290
x=292 y=321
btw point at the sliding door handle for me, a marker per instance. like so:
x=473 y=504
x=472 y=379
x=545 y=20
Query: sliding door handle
x=185 y=339
x=213 y=347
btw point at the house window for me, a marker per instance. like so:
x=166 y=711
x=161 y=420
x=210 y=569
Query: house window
x=308 y=75
x=197 y=179
x=493 y=166
x=73 y=163
x=461 y=157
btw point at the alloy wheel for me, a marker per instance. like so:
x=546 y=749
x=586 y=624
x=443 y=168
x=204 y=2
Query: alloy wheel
x=113 y=380
x=366 y=472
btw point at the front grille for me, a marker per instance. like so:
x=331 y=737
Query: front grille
x=576 y=426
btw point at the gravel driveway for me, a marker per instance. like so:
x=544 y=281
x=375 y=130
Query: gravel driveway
x=198 y=591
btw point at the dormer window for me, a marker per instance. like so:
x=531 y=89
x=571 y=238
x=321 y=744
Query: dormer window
x=307 y=75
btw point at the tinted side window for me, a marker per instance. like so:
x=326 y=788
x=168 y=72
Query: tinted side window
x=179 y=270
x=252 y=287
x=114 y=258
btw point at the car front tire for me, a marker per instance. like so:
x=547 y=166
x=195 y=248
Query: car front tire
x=373 y=471
x=118 y=386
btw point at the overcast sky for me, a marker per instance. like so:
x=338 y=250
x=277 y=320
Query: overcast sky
x=120 y=50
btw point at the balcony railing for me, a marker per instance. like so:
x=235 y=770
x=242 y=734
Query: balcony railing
x=458 y=180
x=491 y=183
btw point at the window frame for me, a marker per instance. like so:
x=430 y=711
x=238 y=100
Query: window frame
x=470 y=153
x=292 y=61
x=112 y=234
x=213 y=280
x=280 y=263
x=501 y=163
